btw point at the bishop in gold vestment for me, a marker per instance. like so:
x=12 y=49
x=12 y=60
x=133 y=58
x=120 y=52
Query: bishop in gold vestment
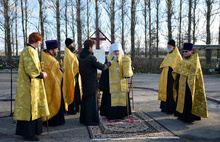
x=72 y=79
x=115 y=99
x=191 y=98
x=167 y=91
x=30 y=102
x=53 y=84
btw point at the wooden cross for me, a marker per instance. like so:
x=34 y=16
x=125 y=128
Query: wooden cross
x=98 y=39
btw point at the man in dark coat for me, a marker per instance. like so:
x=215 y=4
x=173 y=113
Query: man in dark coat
x=88 y=66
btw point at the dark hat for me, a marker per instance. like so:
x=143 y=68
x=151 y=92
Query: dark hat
x=68 y=41
x=51 y=44
x=171 y=42
x=188 y=46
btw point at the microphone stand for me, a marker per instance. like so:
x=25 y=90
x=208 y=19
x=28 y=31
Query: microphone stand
x=11 y=113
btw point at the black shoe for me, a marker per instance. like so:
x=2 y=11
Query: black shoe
x=34 y=138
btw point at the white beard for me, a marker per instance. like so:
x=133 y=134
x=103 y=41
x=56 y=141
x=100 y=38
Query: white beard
x=169 y=49
x=116 y=57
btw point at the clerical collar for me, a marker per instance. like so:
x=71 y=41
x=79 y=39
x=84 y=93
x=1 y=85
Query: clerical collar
x=28 y=44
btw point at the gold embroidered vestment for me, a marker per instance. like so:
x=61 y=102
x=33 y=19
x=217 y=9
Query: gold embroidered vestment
x=190 y=72
x=52 y=83
x=171 y=60
x=71 y=65
x=31 y=101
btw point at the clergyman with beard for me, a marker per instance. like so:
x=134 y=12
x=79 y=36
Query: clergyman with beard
x=167 y=92
x=53 y=83
x=115 y=99
x=72 y=79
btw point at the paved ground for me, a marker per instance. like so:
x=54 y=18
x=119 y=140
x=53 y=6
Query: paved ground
x=208 y=129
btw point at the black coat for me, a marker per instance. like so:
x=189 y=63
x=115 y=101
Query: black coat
x=88 y=66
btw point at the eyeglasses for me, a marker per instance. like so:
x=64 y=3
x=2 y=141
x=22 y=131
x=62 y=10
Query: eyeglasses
x=185 y=51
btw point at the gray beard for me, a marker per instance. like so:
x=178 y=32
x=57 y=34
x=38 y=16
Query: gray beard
x=169 y=50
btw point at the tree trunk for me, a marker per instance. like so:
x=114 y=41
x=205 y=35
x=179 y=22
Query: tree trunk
x=169 y=16
x=133 y=8
x=97 y=14
x=16 y=28
x=150 y=40
x=66 y=21
x=26 y=20
x=87 y=18
x=58 y=26
x=122 y=25
x=208 y=36
x=180 y=24
x=41 y=21
x=73 y=29
x=189 y=21
x=112 y=19
x=7 y=24
x=145 y=26
x=22 y=20
x=157 y=34
x=194 y=21
x=79 y=31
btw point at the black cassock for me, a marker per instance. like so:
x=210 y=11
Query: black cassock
x=169 y=106
x=116 y=112
x=187 y=115
x=73 y=108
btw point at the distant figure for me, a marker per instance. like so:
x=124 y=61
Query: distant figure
x=53 y=84
x=115 y=99
x=72 y=80
x=31 y=101
x=88 y=66
x=167 y=92
x=191 y=98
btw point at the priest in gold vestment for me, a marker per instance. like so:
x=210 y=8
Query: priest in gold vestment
x=71 y=80
x=30 y=102
x=53 y=84
x=167 y=91
x=115 y=99
x=191 y=97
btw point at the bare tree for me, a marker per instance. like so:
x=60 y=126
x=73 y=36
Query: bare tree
x=23 y=25
x=58 y=26
x=97 y=14
x=145 y=26
x=208 y=33
x=66 y=21
x=180 y=24
x=7 y=27
x=189 y=21
x=79 y=31
x=150 y=40
x=112 y=19
x=194 y=21
x=41 y=21
x=157 y=27
x=122 y=24
x=133 y=9
x=169 y=16
x=16 y=27
x=73 y=29
x=87 y=14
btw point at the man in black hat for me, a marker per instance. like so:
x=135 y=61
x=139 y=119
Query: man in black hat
x=191 y=98
x=53 y=84
x=71 y=79
x=167 y=92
